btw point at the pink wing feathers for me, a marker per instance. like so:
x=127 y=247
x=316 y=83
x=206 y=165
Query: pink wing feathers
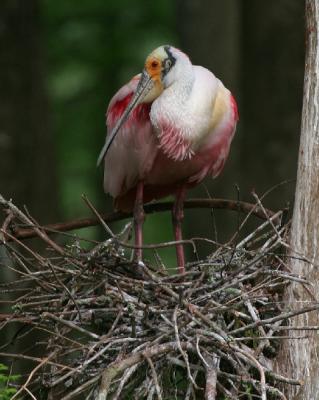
x=132 y=153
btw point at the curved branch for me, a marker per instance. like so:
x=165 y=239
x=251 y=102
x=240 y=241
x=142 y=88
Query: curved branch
x=239 y=206
x=117 y=367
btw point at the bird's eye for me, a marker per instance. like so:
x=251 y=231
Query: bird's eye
x=168 y=64
x=154 y=64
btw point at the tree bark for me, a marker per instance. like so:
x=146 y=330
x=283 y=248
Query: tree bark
x=299 y=358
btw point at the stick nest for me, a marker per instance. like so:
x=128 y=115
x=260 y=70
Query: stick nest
x=109 y=328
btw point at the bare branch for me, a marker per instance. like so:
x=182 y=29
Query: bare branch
x=238 y=206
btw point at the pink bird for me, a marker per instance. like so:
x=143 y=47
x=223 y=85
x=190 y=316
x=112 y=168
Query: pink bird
x=168 y=128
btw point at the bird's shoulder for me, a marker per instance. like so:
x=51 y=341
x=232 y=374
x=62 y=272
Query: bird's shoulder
x=214 y=96
x=220 y=106
x=209 y=96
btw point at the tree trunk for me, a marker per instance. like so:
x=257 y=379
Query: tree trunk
x=299 y=358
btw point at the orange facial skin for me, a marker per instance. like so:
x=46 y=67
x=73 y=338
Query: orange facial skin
x=153 y=66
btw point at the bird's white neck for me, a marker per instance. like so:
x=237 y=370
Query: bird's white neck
x=172 y=103
x=169 y=116
x=179 y=85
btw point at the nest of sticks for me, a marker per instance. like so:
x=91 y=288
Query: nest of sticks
x=110 y=328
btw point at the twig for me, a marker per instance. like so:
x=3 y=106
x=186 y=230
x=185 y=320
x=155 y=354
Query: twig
x=126 y=376
x=154 y=375
x=81 y=388
x=254 y=362
x=212 y=366
x=71 y=325
x=24 y=386
x=98 y=216
x=284 y=316
x=183 y=353
x=119 y=366
x=37 y=231
x=36 y=359
x=108 y=319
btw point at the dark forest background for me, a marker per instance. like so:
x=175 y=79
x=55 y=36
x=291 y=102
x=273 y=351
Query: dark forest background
x=61 y=61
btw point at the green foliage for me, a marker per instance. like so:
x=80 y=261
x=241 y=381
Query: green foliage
x=248 y=388
x=6 y=392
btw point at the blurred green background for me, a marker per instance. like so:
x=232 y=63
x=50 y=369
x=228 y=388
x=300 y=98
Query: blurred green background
x=61 y=62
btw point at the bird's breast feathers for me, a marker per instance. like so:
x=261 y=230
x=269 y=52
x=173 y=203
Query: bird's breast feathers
x=185 y=120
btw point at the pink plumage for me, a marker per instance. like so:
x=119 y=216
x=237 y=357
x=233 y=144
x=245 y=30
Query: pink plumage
x=138 y=153
x=168 y=128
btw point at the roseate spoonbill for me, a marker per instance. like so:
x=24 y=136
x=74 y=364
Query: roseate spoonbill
x=167 y=129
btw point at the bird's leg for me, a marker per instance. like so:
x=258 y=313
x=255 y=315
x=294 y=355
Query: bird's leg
x=139 y=217
x=177 y=218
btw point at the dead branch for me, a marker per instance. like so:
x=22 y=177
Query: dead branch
x=118 y=329
x=31 y=231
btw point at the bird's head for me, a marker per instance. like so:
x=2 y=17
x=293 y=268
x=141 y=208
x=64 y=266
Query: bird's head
x=162 y=68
